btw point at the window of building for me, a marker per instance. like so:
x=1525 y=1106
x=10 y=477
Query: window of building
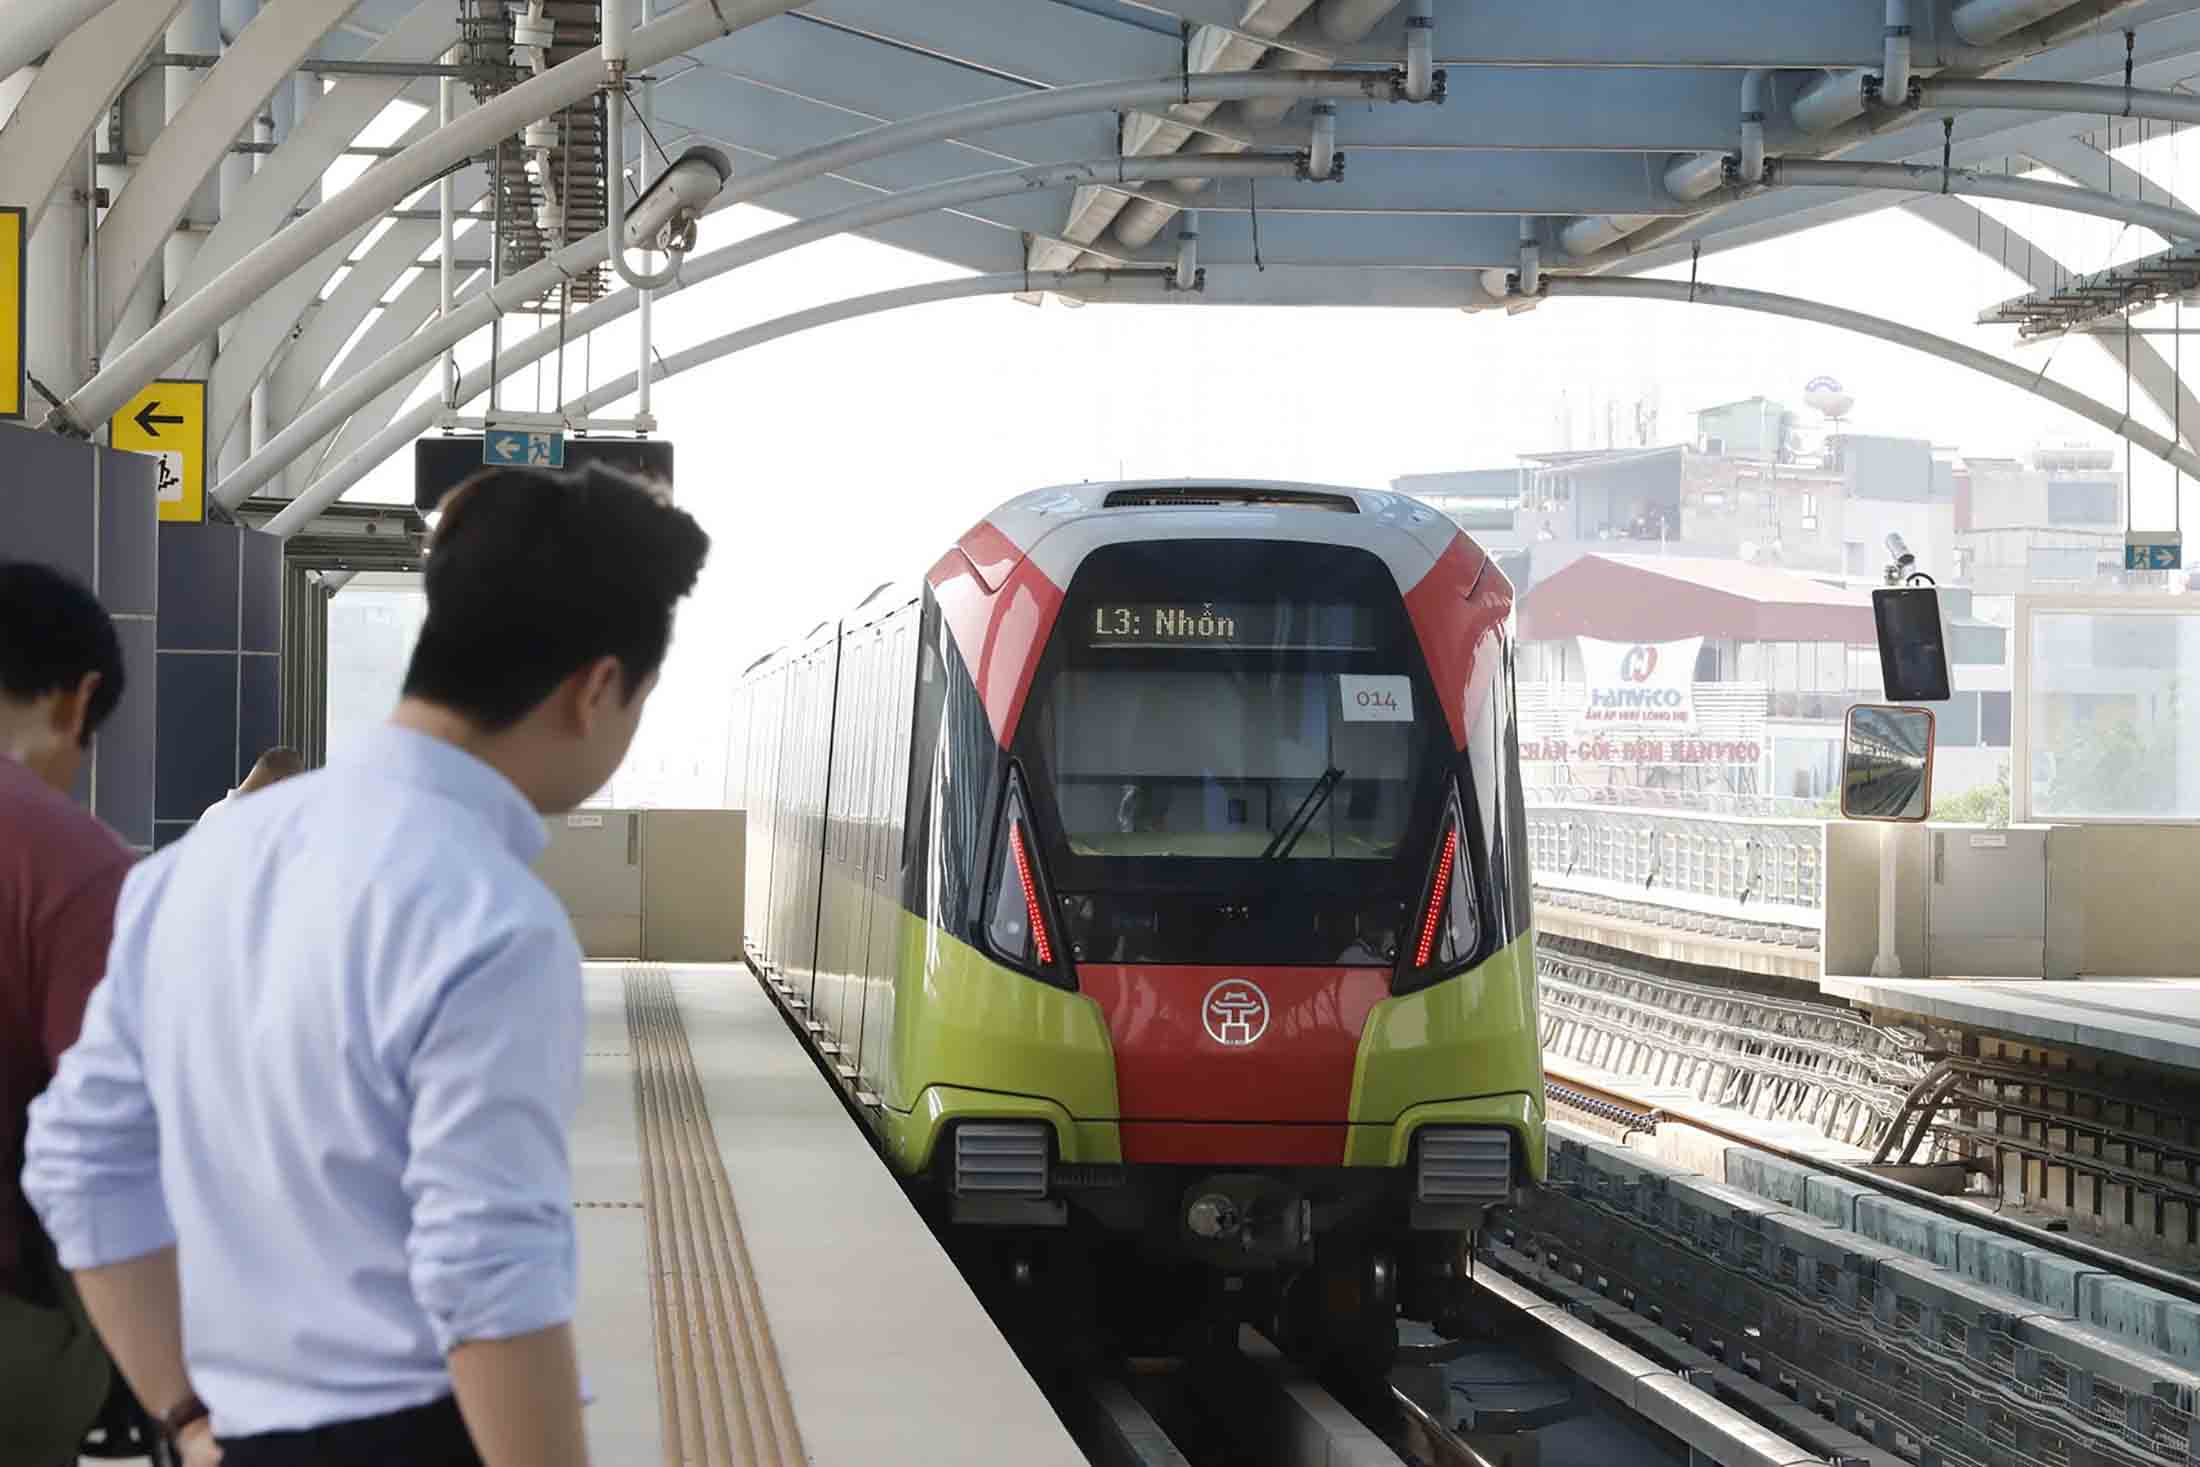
x=2109 y=723
x=1956 y=722
x=1852 y=559
x=1978 y=646
x=2148 y=642
x=2081 y=502
x=2062 y=562
x=1993 y=719
x=1829 y=667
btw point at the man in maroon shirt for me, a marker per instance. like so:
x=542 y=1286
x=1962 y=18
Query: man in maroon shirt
x=60 y=871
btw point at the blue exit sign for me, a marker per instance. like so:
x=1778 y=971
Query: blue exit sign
x=2154 y=550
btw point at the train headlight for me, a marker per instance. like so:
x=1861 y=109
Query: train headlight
x=1212 y=1216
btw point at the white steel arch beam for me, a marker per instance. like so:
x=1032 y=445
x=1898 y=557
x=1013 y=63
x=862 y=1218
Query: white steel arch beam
x=399 y=319
x=1795 y=308
x=2150 y=371
x=922 y=234
x=191 y=147
x=321 y=339
x=1981 y=140
x=1920 y=178
x=1086 y=284
x=256 y=336
x=38 y=26
x=339 y=403
x=200 y=317
x=1618 y=241
x=336 y=118
x=2091 y=167
x=44 y=136
x=876 y=142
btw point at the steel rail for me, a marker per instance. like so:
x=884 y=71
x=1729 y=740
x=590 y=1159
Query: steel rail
x=2174 y=1284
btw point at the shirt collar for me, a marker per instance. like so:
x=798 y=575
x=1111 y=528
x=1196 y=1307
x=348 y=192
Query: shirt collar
x=439 y=765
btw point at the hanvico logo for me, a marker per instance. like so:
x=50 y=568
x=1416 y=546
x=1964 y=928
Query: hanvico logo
x=1235 y=1013
x=1638 y=685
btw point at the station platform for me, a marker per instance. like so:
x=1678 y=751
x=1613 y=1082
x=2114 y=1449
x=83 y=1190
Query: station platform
x=755 y=1287
x=2156 y=1020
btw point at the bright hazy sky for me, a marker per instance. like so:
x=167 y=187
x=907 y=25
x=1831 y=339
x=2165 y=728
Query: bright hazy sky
x=829 y=462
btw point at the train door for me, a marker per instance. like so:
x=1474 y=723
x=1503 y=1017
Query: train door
x=882 y=963
x=834 y=867
x=862 y=737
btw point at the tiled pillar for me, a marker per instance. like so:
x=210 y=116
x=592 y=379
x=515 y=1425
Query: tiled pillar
x=90 y=512
x=220 y=662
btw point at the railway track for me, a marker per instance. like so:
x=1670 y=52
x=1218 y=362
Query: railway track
x=1252 y=1406
x=1569 y=1089
x=1959 y=1336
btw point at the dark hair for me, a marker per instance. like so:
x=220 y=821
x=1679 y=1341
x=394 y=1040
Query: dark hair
x=533 y=575
x=52 y=632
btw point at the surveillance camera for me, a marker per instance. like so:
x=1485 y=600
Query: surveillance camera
x=1900 y=551
x=664 y=216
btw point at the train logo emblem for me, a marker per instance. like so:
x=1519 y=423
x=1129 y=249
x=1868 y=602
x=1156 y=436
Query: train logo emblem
x=1639 y=663
x=1235 y=1012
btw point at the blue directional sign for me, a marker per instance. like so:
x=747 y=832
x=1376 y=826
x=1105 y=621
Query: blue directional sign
x=2154 y=550
x=535 y=448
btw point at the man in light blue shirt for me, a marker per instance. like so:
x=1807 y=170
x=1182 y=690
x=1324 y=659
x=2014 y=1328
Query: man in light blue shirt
x=327 y=1080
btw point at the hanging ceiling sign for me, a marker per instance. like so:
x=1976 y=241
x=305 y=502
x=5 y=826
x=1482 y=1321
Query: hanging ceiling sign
x=1638 y=686
x=442 y=463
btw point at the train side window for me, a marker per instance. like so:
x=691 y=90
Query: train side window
x=902 y=692
x=924 y=742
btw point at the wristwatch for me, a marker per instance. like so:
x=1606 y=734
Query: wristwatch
x=182 y=1414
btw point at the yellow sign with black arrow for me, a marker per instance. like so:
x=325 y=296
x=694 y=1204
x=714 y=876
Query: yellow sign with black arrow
x=168 y=419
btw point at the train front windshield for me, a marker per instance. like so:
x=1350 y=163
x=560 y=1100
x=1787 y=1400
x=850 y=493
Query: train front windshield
x=1236 y=755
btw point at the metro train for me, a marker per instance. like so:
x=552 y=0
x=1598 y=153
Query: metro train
x=1155 y=872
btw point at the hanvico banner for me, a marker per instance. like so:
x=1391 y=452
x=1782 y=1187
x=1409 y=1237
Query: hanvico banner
x=1639 y=685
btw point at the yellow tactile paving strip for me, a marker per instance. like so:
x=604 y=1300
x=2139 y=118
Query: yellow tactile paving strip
x=721 y=1393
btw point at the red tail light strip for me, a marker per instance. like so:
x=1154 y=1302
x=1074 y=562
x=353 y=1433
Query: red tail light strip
x=1437 y=893
x=1031 y=894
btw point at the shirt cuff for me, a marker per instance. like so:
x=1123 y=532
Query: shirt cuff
x=94 y=1229
x=499 y=1300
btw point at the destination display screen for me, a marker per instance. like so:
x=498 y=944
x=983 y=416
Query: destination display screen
x=1267 y=626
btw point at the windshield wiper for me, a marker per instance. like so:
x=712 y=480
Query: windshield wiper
x=1303 y=817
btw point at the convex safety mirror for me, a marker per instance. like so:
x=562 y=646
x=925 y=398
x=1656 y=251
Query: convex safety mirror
x=1887 y=763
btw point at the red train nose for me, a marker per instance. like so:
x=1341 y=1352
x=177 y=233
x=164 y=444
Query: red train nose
x=1235 y=1066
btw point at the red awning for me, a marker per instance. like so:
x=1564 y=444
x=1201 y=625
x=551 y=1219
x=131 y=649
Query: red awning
x=1641 y=598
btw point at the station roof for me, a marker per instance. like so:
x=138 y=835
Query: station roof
x=1663 y=598
x=1571 y=118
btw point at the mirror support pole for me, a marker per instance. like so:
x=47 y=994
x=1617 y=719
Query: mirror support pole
x=1889 y=962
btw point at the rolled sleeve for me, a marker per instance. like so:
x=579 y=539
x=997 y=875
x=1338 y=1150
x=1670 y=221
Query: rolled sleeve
x=91 y=1160
x=495 y=1080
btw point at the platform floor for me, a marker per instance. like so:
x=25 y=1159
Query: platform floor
x=2152 y=1019
x=755 y=1287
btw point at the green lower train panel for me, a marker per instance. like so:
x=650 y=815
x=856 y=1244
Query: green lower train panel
x=956 y=1036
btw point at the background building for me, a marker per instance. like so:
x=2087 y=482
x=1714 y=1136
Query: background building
x=1761 y=536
